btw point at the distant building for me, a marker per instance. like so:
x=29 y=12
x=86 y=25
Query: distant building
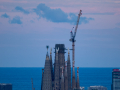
x=115 y=79
x=5 y=86
x=97 y=88
x=82 y=88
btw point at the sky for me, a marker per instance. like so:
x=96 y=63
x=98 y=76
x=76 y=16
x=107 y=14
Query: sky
x=27 y=26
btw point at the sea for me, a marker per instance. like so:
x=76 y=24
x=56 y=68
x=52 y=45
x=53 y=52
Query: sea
x=20 y=78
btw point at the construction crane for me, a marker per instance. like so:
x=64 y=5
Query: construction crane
x=72 y=39
x=32 y=84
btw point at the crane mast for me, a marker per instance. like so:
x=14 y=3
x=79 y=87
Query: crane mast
x=73 y=50
x=73 y=38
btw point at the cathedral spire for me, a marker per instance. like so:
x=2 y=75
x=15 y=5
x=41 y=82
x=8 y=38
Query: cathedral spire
x=51 y=63
x=47 y=56
x=47 y=76
x=69 y=71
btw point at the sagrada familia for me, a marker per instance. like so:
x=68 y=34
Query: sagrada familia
x=57 y=75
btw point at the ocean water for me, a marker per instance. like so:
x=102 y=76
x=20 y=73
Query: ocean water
x=21 y=77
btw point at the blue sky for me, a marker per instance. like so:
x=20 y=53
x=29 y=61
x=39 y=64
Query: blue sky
x=27 y=26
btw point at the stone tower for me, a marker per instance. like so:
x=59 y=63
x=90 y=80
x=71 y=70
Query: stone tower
x=77 y=83
x=61 y=58
x=69 y=71
x=62 y=80
x=56 y=71
x=47 y=76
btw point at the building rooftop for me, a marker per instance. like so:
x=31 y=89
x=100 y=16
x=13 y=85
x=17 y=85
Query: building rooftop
x=5 y=84
x=116 y=70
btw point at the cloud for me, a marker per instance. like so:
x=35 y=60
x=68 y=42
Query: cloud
x=21 y=10
x=5 y=15
x=106 y=13
x=118 y=24
x=31 y=21
x=57 y=15
x=15 y=20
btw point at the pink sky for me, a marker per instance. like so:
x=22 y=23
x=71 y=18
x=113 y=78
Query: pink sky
x=98 y=37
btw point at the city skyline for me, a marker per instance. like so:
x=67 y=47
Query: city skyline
x=27 y=26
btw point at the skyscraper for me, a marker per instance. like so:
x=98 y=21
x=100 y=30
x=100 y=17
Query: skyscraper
x=115 y=79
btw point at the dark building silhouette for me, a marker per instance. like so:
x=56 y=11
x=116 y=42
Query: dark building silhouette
x=5 y=86
x=115 y=79
x=59 y=77
x=97 y=88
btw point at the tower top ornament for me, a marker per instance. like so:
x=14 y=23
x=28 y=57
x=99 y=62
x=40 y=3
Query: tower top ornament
x=57 y=50
x=68 y=51
x=51 y=51
x=47 y=47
